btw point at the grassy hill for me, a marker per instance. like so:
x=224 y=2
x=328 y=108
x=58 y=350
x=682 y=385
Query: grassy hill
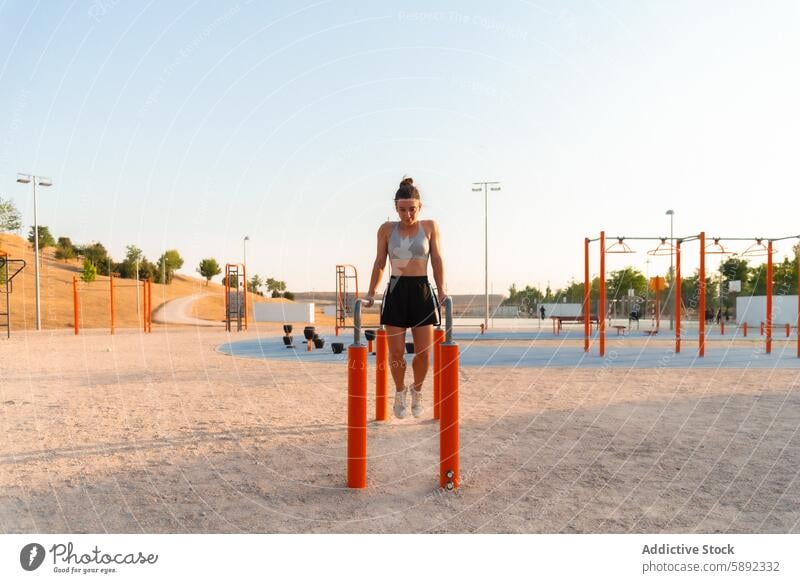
x=56 y=293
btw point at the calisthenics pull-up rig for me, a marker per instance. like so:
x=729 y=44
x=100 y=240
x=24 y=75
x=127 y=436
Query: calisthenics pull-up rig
x=345 y=301
x=147 y=302
x=235 y=296
x=9 y=268
x=757 y=248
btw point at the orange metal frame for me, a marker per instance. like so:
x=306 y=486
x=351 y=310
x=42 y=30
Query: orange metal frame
x=701 y=288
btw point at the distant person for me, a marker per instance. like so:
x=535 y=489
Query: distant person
x=541 y=311
x=719 y=315
x=409 y=301
x=727 y=314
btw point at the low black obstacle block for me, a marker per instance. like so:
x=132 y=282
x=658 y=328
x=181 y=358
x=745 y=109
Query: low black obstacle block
x=319 y=342
x=369 y=335
x=409 y=348
x=308 y=332
x=287 y=328
x=287 y=341
x=337 y=347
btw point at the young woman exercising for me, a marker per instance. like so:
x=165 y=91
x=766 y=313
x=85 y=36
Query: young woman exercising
x=409 y=301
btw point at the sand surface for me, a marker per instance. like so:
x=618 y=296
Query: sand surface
x=162 y=433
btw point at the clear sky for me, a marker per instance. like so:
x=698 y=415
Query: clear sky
x=189 y=125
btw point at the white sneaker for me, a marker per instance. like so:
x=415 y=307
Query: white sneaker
x=416 y=402
x=400 y=409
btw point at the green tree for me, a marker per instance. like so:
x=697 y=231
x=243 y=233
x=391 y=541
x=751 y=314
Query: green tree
x=254 y=283
x=620 y=281
x=65 y=249
x=89 y=273
x=275 y=286
x=168 y=263
x=45 y=238
x=208 y=268
x=10 y=217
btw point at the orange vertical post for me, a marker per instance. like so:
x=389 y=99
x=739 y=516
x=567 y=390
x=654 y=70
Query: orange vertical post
x=75 y=305
x=744 y=328
x=149 y=306
x=586 y=296
x=677 y=286
x=722 y=327
x=448 y=424
x=769 y=297
x=438 y=338
x=701 y=288
x=601 y=309
x=111 y=287
x=798 y=306
x=382 y=375
x=788 y=330
x=356 y=416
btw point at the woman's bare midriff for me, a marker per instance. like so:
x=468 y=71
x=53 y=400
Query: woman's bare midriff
x=413 y=268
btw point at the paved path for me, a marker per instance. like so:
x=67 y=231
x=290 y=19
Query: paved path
x=177 y=312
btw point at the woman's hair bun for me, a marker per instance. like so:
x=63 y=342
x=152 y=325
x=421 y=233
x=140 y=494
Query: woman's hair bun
x=407 y=181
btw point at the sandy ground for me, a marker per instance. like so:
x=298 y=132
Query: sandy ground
x=161 y=433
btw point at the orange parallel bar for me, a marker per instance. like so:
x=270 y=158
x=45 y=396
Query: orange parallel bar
x=744 y=328
x=438 y=338
x=357 y=416
x=75 y=304
x=448 y=424
x=722 y=327
x=769 y=298
x=149 y=306
x=111 y=287
x=382 y=375
x=144 y=306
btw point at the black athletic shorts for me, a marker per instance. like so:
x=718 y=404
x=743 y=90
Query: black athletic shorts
x=409 y=302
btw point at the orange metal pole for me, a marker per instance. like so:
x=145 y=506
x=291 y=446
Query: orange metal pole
x=357 y=416
x=658 y=306
x=448 y=424
x=149 y=306
x=111 y=285
x=144 y=306
x=701 y=288
x=744 y=328
x=798 y=305
x=788 y=330
x=438 y=338
x=601 y=309
x=769 y=297
x=75 y=306
x=586 y=296
x=722 y=327
x=761 y=329
x=677 y=285
x=382 y=374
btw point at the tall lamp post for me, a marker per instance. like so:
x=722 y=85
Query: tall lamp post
x=246 y=239
x=40 y=181
x=486 y=187
x=671 y=214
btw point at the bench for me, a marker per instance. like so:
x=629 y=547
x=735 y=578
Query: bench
x=651 y=332
x=559 y=321
x=620 y=329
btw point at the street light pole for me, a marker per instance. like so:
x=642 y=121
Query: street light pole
x=486 y=186
x=246 y=239
x=41 y=181
x=671 y=214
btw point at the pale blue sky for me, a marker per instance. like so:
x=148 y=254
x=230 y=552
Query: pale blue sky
x=191 y=124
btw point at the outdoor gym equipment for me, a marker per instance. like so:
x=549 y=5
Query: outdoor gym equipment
x=6 y=277
x=147 y=322
x=344 y=299
x=445 y=403
x=235 y=296
x=757 y=249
